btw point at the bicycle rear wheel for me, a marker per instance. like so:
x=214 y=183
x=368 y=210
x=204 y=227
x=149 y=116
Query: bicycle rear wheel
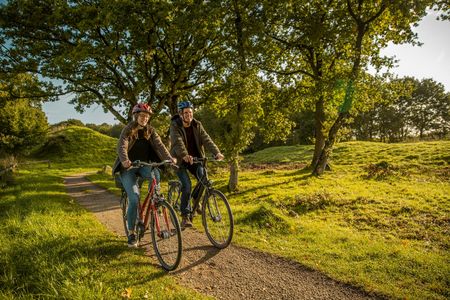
x=217 y=219
x=173 y=195
x=124 y=208
x=166 y=236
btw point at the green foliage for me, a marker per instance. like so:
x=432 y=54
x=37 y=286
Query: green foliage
x=413 y=108
x=79 y=145
x=114 y=53
x=69 y=122
x=24 y=127
x=238 y=109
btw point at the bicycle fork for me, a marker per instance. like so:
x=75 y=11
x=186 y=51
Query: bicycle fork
x=162 y=212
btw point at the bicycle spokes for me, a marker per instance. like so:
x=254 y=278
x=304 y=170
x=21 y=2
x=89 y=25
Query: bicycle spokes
x=217 y=219
x=166 y=236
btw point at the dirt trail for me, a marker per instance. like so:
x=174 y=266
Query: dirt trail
x=232 y=273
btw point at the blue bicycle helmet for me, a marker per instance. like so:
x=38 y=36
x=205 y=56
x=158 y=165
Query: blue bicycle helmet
x=185 y=104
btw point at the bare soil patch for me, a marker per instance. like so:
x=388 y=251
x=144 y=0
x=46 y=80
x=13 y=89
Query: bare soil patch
x=231 y=273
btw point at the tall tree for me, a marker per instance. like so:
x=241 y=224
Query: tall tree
x=375 y=23
x=325 y=45
x=303 y=52
x=113 y=53
x=428 y=108
x=23 y=124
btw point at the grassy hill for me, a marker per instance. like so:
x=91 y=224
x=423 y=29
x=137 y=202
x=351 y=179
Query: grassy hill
x=79 y=145
x=360 y=153
x=376 y=160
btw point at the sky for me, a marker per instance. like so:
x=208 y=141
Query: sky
x=431 y=60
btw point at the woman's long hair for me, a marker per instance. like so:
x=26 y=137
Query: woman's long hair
x=135 y=127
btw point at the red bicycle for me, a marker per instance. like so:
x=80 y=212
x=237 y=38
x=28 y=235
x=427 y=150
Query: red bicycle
x=158 y=215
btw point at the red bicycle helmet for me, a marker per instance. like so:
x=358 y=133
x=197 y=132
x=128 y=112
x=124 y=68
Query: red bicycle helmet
x=142 y=107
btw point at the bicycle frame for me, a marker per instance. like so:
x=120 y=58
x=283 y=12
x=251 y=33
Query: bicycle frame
x=156 y=215
x=148 y=206
x=217 y=217
x=203 y=181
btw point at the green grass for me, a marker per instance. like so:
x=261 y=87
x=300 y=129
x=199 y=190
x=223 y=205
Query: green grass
x=54 y=249
x=388 y=234
x=379 y=221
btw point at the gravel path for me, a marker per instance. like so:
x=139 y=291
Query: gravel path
x=232 y=273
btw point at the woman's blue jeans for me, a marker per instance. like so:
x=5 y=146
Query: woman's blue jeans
x=195 y=169
x=130 y=183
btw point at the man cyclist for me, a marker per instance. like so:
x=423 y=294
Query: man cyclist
x=188 y=140
x=138 y=141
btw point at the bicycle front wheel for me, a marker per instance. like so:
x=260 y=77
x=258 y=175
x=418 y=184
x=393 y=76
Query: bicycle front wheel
x=166 y=236
x=124 y=208
x=217 y=219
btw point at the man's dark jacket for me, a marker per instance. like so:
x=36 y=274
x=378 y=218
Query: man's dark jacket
x=178 y=139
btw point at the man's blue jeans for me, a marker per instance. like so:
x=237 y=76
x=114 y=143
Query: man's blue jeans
x=195 y=169
x=130 y=183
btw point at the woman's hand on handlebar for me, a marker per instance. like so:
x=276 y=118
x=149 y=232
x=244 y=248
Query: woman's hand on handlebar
x=126 y=164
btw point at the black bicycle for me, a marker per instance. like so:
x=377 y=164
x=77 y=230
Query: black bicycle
x=217 y=217
x=156 y=214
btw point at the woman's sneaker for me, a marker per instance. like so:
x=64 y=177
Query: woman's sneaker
x=132 y=241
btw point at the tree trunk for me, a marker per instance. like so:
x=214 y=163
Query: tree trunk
x=319 y=118
x=234 y=170
x=329 y=143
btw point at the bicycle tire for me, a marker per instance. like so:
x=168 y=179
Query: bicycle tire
x=173 y=195
x=217 y=219
x=166 y=239
x=124 y=208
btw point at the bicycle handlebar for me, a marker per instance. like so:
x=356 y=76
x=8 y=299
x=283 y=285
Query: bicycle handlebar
x=204 y=159
x=138 y=163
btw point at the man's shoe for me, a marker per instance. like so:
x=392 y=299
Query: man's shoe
x=132 y=241
x=185 y=222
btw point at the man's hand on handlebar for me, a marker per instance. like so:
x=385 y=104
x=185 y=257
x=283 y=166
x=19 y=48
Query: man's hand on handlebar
x=189 y=159
x=219 y=156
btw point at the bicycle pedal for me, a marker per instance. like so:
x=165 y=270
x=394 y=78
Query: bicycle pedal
x=164 y=234
x=141 y=230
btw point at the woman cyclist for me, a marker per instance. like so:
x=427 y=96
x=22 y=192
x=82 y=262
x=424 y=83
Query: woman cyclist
x=138 y=141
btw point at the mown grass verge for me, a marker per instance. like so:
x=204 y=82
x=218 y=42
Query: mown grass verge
x=54 y=249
